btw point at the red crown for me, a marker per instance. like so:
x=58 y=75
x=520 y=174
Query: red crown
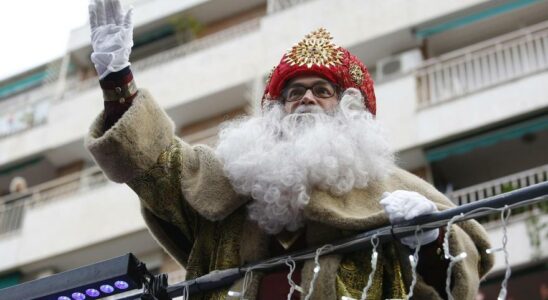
x=317 y=55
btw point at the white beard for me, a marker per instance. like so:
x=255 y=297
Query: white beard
x=278 y=158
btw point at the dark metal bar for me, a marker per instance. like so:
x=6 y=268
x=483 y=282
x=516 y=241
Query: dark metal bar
x=222 y=278
x=515 y=198
x=498 y=201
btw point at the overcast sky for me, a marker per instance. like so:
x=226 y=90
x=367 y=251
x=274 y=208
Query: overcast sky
x=33 y=32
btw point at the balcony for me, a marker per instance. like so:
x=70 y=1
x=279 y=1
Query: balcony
x=498 y=186
x=14 y=206
x=205 y=42
x=274 y=6
x=484 y=65
x=30 y=109
x=25 y=111
x=526 y=225
x=212 y=40
x=77 y=216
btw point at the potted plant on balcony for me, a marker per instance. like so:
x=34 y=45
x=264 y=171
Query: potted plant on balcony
x=186 y=28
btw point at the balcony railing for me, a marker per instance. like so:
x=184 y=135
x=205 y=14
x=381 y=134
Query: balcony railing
x=175 y=53
x=13 y=206
x=483 y=65
x=274 y=6
x=24 y=111
x=18 y=118
x=499 y=186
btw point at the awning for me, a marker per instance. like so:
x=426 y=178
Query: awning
x=10 y=280
x=488 y=139
x=19 y=166
x=424 y=32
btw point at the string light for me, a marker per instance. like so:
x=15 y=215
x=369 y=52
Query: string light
x=452 y=259
x=186 y=293
x=293 y=286
x=463 y=255
x=414 y=260
x=234 y=294
x=503 y=289
x=316 y=269
x=493 y=250
x=248 y=278
x=374 y=258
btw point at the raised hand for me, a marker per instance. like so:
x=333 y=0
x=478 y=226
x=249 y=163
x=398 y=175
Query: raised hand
x=402 y=206
x=111 y=36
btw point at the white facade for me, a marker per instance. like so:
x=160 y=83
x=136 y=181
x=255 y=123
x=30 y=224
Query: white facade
x=72 y=221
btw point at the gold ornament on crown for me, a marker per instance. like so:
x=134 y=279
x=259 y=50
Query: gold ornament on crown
x=356 y=74
x=315 y=49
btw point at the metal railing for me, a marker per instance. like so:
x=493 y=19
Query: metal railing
x=273 y=6
x=25 y=111
x=499 y=186
x=21 y=117
x=205 y=42
x=502 y=59
x=175 y=53
x=13 y=206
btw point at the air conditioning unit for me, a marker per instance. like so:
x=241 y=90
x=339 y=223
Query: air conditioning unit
x=392 y=66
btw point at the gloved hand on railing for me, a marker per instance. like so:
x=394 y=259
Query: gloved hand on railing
x=111 y=36
x=402 y=206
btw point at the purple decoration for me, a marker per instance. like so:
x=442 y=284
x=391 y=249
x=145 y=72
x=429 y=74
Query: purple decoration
x=105 y=288
x=121 y=284
x=78 y=296
x=92 y=292
x=63 y=298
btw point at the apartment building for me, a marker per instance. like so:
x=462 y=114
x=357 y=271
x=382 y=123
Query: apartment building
x=461 y=88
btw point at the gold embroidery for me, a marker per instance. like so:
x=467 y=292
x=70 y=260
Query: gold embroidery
x=397 y=290
x=356 y=74
x=353 y=275
x=216 y=245
x=315 y=49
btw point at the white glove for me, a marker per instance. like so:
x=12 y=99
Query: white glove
x=405 y=205
x=111 y=36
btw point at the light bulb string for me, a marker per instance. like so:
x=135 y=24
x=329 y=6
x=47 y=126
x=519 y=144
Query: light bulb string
x=414 y=261
x=504 y=215
x=386 y=232
x=293 y=286
x=317 y=269
x=374 y=256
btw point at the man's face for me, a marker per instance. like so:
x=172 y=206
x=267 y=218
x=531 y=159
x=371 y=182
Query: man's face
x=309 y=93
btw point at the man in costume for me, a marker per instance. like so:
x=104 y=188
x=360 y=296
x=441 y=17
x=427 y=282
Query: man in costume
x=311 y=169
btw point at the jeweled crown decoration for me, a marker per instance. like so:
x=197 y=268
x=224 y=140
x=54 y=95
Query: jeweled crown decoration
x=315 y=49
x=356 y=74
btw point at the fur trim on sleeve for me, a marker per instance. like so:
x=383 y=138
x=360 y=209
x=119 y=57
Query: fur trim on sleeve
x=205 y=186
x=133 y=144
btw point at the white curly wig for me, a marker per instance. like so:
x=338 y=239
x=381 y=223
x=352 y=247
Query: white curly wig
x=277 y=158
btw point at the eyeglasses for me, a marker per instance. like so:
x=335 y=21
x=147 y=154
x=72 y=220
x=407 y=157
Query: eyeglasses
x=321 y=89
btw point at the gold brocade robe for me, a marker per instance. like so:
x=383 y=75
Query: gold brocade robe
x=191 y=209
